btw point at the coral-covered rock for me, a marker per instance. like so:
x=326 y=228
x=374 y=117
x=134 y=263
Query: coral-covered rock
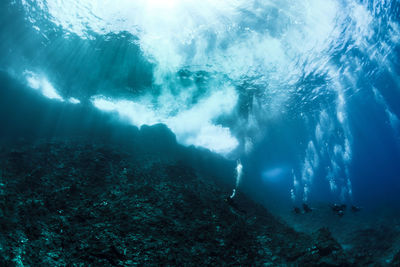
x=396 y=259
x=80 y=203
x=326 y=244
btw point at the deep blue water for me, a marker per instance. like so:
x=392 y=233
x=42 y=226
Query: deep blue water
x=306 y=94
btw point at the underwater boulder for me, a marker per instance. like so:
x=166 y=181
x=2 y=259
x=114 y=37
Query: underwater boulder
x=396 y=259
x=325 y=243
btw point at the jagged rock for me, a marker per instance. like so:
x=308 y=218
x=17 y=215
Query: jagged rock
x=326 y=244
x=80 y=203
x=396 y=259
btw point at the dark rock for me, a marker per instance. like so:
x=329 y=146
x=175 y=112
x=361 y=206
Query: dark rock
x=98 y=204
x=326 y=244
x=396 y=259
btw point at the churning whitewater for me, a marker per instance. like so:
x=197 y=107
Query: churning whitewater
x=222 y=74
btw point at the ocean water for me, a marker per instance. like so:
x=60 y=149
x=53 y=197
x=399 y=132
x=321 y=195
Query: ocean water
x=305 y=94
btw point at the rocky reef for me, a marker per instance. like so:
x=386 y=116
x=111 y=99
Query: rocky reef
x=81 y=203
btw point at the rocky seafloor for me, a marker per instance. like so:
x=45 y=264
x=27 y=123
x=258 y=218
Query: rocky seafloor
x=80 y=203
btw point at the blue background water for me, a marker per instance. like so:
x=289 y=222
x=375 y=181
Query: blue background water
x=346 y=87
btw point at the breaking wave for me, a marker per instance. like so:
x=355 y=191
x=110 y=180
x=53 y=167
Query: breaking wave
x=222 y=74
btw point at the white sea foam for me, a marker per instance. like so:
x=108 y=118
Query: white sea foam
x=260 y=42
x=194 y=126
x=41 y=83
x=260 y=48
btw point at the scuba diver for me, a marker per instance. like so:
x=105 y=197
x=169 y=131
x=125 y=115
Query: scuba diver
x=297 y=210
x=234 y=205
x=306 y=208
x=355 y=208
x=230 y=201
x=339 y=209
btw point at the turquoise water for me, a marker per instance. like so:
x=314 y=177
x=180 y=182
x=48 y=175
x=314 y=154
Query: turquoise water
x=305 y=93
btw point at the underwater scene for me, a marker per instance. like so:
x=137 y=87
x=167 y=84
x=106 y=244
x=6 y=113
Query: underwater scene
x=199 y=133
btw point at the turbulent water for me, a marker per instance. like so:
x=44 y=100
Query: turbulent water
x=305 y=93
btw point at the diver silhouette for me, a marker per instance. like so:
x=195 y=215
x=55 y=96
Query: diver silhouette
x=231 y=202
x=235 y=207
x=339 y=209
x=229 y=199
x=355 y=208
x=306 y=208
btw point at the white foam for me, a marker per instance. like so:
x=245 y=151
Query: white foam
x=74 y=100
x=393 y=119
x=135 y=113
x=311 y=163
x=239 y=173
x=41 y=83
x=273 y=47
x=292 y=195
x=192 y=126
